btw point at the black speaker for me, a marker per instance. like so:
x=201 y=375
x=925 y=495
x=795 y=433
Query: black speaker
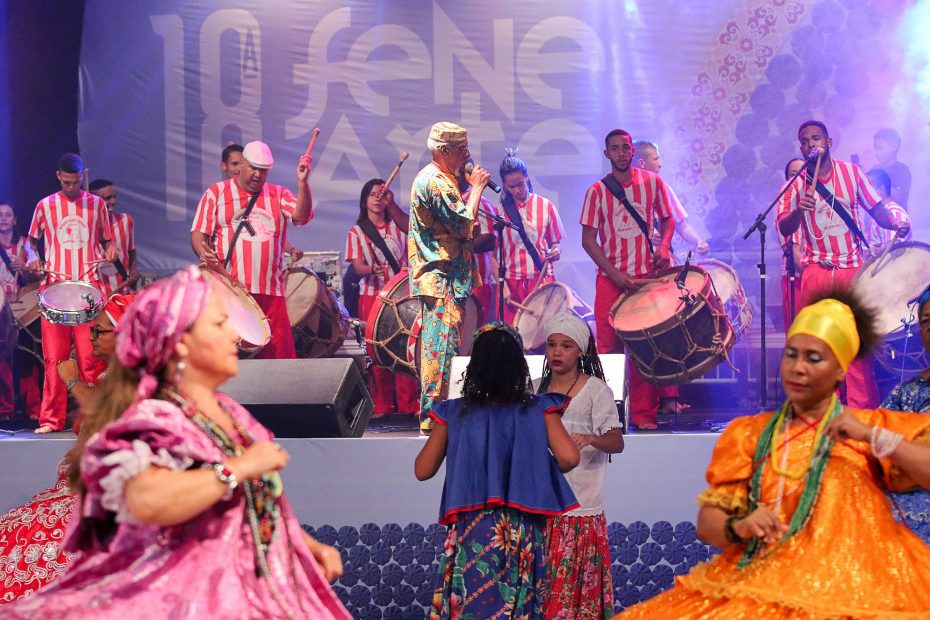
x=304 y=397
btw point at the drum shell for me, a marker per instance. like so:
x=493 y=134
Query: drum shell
x=25 y=305
x=319 y=323
x=70 y=302
x=683 y=346
x=730 y=292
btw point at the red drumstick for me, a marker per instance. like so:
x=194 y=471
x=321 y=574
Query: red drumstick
x=316 y=132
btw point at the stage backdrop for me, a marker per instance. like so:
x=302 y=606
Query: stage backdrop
x=721 y=85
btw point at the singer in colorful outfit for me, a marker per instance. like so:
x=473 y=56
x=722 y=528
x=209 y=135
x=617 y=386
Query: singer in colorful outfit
x=796 y=497
x=441 y=256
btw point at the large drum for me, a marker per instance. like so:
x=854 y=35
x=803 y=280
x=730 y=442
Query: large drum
x=392 y=332
x=540 y=306
x=730 y=291
x=673 y=340
x=889 y=284
x=245 y=315
x=319 y=322
x=70 y=302
x=25 y=306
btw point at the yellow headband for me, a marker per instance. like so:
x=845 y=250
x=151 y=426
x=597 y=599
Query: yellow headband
x=831 y=321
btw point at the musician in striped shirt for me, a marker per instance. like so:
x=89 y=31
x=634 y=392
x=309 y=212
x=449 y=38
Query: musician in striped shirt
x=124 y=236
x=832 y=242
x=623 y=253
x=257 y=260
x=543 y=227
x=75 y=228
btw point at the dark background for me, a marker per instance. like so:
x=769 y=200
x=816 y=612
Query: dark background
x=39 y=92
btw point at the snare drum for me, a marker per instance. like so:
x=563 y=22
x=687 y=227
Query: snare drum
x=392 y=332
x=541 y=305
x=70 y=302
x=671 y=340
x=245 y=315
x=319 y=322
x=730 y=291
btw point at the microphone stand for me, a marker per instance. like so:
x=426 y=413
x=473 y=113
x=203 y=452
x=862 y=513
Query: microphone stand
x=499 y=225
x=759 y=224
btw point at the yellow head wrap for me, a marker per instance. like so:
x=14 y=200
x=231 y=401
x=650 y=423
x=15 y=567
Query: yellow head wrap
x=831 y=321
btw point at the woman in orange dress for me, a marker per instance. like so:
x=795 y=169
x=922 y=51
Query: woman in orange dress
x=796 y=497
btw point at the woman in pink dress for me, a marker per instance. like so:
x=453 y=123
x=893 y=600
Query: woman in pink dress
x=181 y=512
x=31 y=535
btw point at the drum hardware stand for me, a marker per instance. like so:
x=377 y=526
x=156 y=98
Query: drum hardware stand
x=499 y=225
x=759 y=224
x=686 y=297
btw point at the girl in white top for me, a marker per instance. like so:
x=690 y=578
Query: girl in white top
x=579 y=554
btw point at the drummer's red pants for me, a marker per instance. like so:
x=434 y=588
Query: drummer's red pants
x=56 y=347
x=30 y=390
x=486 y=294
x=281 y=345
x=644 y=397
x=786 y=305
x=6 y=388
x=861 y=389
x=386 y=386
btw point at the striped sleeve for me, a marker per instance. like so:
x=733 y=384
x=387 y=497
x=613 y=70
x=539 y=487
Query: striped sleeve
x=38 y=224
x=205 y=216
x=556 y=230
x=662 y=199
x=865 y=189
x=590 y=211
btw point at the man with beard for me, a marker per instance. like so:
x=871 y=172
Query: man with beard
x=615 y=234
x=257 y=260
x=832 y=241
x=441 y=256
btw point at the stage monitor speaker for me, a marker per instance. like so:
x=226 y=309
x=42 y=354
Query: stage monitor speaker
x=304 y=397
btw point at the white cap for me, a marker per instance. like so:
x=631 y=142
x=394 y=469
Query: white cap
x=258 y=154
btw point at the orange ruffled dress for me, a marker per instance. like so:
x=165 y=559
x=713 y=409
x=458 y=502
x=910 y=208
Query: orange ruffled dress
x=851 y=560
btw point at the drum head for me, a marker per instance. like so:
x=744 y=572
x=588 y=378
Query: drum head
x=302 y=287
x=724 y=277
x=901 y=276
x=71 y=295
x=245 y=316
x=392 y=331
x=540 y=306
x=656 y=302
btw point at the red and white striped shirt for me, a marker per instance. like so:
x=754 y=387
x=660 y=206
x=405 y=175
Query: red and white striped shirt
x=483 y=259
x=543 y=228
x=620 y=236
x=7 y=278
x=257 y=262
x=123 y=227
x=359 y=246
x=74 y=233
x=825 y=238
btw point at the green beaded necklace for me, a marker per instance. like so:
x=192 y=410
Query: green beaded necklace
x=812 y=485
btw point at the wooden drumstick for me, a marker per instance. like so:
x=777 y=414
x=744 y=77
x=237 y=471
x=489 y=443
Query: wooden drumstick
x=520 y=306
x=316 y=132
x=881 y=258
x=403 y=158
x=813 y=187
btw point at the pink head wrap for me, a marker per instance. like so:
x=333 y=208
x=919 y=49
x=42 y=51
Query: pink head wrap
x=154 y=324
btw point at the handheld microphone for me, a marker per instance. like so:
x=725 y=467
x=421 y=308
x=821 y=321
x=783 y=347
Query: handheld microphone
x=494 y=187
x=680 y=278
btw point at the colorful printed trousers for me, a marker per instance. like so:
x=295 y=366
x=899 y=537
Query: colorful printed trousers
x=439 y=343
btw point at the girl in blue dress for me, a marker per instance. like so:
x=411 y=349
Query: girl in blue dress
x=914 y=395
x=505 y=450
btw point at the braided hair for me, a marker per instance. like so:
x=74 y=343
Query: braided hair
x=589 y=363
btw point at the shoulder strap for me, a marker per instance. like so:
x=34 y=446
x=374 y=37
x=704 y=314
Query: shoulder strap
x=371 y=231
x=513 y=214
x=617 y=190
x=830 y=199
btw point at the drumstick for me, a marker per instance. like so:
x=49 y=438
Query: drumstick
x=520 y=306
x=881 y=258
x=55 y=273
x=316 y=132
x=403 y=158
x=810 y=190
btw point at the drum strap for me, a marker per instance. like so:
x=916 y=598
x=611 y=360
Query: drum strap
x=617 y=190
x=243 y=223
x=371 y=231
x=513 y=214
x=830 y=199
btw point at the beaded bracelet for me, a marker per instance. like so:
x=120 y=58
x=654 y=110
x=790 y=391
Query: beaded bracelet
x=884 y=442
x=227 y=477
x=730 y=533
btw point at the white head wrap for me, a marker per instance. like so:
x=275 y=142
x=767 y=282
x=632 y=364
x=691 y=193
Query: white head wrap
x=570 y=325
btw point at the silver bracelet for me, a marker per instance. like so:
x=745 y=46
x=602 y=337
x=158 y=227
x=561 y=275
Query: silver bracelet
x=227 y=477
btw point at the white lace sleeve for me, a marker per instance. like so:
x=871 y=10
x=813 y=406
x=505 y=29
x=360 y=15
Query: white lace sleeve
x=127 y=464
x=604 y=414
